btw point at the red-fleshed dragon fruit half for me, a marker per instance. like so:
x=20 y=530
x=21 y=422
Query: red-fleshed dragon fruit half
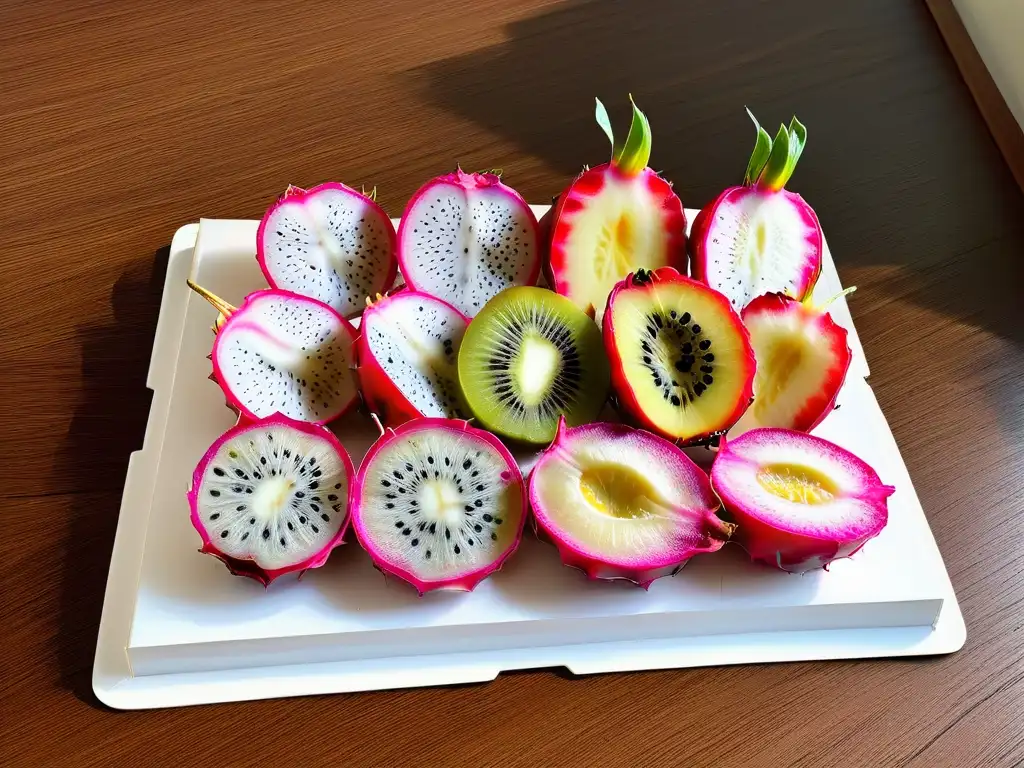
x=799 y=502
x=408 y=352
x=614 y=219
x=621 y=503
x=270 y=497
x=283 y=353
x=465 y=237
x=802 y=359
x=329 y=242
x=439 y=504
x=760 y=238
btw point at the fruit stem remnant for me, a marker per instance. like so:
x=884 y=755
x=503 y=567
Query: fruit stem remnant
x=772 y=162
x=218 y=303
x=828 y=302
x=631 y=157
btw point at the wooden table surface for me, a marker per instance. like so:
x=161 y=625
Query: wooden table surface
x=121 y=121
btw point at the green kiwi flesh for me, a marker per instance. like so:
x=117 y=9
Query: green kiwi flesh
x=528 y=357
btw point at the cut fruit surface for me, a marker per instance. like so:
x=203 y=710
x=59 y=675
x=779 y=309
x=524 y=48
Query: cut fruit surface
x=681 y=360
x=283 y=353
x=465 y=237
x=753 y=242
x=607 y=226
x=622 y=503
x=802 y=360
x=760 y=238
x=271 y=497
x=408 y=358
x=529 y=357
x=612 y=220
x=439 y=504
x=329 y=242
x=800 y=502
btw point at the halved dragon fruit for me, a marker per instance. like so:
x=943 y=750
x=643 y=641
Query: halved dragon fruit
x=270 y=497
x=800 y=502
x=329 y=242
x=614 y=219
x=681 y=360
x=408 y=352
x=760 y=238
x=283 y=353
x=465 y=237
x=439 y=504
x=802 y=359
x=621 y=503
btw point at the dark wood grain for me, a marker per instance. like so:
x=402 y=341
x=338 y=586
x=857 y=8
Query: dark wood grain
x=120 y=121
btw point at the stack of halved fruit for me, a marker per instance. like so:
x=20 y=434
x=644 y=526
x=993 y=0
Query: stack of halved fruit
x=616 y=366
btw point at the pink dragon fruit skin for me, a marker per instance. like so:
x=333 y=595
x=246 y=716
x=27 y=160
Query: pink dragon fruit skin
x=564 y=517
x=465 y=237
x=329 y=242
x=837 y=502
x=297 y=432
x=448 y=450
x=256 y=325
x=760 y=238
x=392 y=325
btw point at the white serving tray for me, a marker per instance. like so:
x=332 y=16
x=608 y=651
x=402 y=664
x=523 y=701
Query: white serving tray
x=177 y=629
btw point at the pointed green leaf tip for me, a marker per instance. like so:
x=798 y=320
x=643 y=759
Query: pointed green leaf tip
x=783 y=153
x=601 y=115
x=633 y=156
x=762 y=148
x=636 y=152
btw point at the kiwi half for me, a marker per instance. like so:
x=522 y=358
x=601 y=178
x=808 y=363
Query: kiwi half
x=528 y=357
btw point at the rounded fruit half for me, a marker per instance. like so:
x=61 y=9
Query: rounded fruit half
x=799 y=501
x=271 y=496
x=439 y=504
x=621 y=503
x=682 y=364
x=529 y=357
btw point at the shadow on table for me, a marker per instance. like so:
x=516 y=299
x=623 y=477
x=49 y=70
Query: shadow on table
x=108 y=424
x=930 y=196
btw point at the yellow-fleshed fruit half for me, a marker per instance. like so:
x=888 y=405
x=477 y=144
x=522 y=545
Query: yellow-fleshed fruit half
x=621 y=503
x=682 y=364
